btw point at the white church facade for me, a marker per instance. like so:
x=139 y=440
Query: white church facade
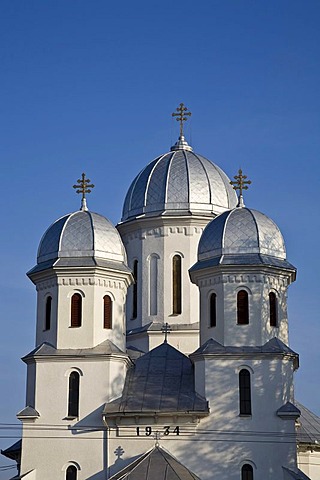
x=162 y=348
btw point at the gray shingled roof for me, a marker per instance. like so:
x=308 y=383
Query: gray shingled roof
x=162 y=380
x=157 y=464
x=272 y=346
x=46 y=349
x=308 y=430
x=294 y=475
x=243 y=259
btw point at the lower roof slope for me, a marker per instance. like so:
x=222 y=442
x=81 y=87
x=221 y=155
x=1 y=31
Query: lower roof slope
x=157 y=464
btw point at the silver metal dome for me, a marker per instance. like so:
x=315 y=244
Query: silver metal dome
x=241 y=231
x=179 y=182
x=81 y=234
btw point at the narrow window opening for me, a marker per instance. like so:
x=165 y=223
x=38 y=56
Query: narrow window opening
x=48 y=313
x=76 y=310
x=153 y=287
x=242 y=308
x=135 y=290
x=273 y=309
x=73 y=403
x=213 y=310
x=107 y=312
x=71 y=473
x=245 y=392
x=176 y=285
x=247 y=472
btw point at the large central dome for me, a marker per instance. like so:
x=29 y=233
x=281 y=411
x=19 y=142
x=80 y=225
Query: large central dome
x=179 y=182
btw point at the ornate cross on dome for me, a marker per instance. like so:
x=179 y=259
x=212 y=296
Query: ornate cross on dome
x=166 y=329
x=83 y=186
x=182 y=116
x=240 y=184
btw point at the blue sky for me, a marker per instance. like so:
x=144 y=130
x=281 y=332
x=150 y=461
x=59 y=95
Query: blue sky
x=91 y=85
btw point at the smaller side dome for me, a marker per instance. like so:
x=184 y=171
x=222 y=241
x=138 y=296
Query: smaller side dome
x=81 y=234
x=241 y=231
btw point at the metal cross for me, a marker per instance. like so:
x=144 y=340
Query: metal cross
x=166 y=329
x=119 y=451
x=156 y=437
x=182 y=116
x=240 y=182
x=83 y=186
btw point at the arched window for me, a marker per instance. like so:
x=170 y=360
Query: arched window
x=73 y=401
x=76 y=310
x=245 y=392
x=135 y=290
x=71 y=473
x=176 y=285
x=107 y=312
x=273 y=309
x=153 y=285
x=48 y=313
x=213 y=310
x=242 y=308
x=247 y=472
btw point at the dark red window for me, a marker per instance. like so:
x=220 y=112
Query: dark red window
x=245 y=392
x=176 y=285
x=273 y=309
x=135 y=290
x=213 y=310
x=76 y=310
x=71 y=473
x=48 y=313
x=73 y=400
x=247 y=472
x=107 y=312
x=242 y=308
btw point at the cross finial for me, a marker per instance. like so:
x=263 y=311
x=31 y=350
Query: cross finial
x=83 y=186
x=166 y=329
x=119 y=451
x=182 y=116
x=157 y=437
x=240 y=184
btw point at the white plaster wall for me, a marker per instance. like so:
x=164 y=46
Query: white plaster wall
x=224 y=441
x=226 y=286
x=164 y=237
x=50 y=452
x=48 y=442
x=208 y=451
x=92 y=288
x=104 y=376
x=309 y=463
x=186 y=341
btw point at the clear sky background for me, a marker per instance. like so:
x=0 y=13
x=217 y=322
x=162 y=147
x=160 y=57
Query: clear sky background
x=90 y=86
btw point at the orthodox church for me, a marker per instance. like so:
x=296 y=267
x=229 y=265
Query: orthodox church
x=161 y=346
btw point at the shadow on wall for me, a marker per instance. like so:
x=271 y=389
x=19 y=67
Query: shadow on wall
x=224 y=441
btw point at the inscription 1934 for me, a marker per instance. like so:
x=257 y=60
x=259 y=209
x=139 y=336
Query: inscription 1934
x=147 y=431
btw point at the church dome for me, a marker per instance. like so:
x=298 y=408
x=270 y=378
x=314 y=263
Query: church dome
x=240 y=232
x=81 y=234
x=179 y=182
